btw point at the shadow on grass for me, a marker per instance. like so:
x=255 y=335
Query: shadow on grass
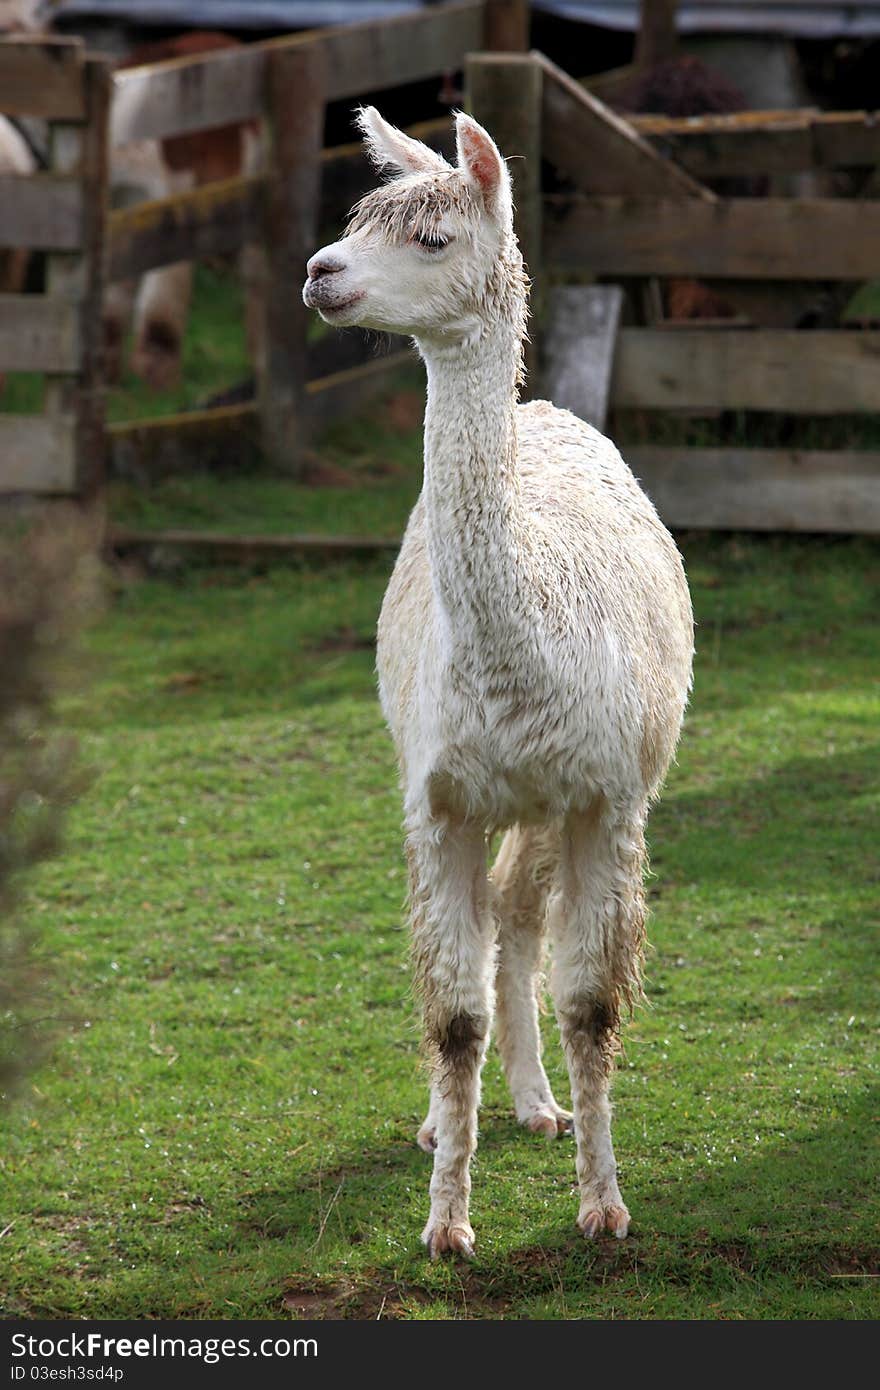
x=799 y=1213
x=248 y=640
x=783 y=825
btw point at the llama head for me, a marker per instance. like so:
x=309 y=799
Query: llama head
x=429 y=251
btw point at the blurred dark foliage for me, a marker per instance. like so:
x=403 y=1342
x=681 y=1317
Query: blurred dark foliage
x=48 y=588
x=686 y=86
x=683 y=86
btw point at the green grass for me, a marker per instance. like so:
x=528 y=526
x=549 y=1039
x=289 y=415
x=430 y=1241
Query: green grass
x=229 y=1117
x=371 y=469
x=227 y=1124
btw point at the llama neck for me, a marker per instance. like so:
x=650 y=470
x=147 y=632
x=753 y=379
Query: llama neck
x=475 y=527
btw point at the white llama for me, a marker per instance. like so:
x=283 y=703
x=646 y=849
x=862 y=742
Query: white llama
x=534 y=660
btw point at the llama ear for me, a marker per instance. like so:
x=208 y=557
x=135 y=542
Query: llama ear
x=388 y=147
x=480 y=158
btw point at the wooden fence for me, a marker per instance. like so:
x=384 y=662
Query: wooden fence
x=287 y=84
x=61 y=211
x=635 y=208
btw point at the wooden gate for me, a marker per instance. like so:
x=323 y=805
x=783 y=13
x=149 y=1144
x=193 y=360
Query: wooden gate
x=61 y=211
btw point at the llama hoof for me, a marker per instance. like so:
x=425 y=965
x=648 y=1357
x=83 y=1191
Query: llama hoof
x=440 y=1240
x=549 y=1121
x=614 y=1219
x=427 y=1138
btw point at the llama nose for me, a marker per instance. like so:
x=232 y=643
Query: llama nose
x=321 y=265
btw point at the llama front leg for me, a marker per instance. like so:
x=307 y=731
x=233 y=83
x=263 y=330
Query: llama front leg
x=453 y=948
x=597 y=929
x=522 y=874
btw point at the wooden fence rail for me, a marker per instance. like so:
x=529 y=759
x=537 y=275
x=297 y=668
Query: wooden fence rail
x=765 y=142
x=219 y=217
x=800 y=373
x=215 y=219
x=38 y=334
x=43 y=77
x=762 y=489
x=733 y=238
x=43 y=211
x=190 y=94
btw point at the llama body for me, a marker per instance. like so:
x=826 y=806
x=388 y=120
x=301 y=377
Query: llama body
x=534 y=660
x=524 y=699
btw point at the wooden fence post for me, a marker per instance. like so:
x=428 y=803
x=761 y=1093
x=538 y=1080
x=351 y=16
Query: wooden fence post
x=82 y=149
x=507 y=26
x=295 y=100
x=657 y=38
x=504 y=93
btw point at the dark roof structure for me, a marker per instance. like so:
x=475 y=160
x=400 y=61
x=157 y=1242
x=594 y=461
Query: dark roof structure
x=804 y=19
x=798 y=19
x=256 y=15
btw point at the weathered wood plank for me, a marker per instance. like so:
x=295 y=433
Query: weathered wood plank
x=372 y=56
x=213 y=220
x=297 y=85
x=844 y=138
x=38 y=334
x=739 y=238
x=41 y=211
x=80 y=149
x=798 y=372
x=42 y=77
x=244 y=549
x=579 y=345
x=187 y=94
x=37 y=454
x=504 y=95
x=207 y=440
x=66 y=275
x=599 y=150
x=94 y=171
x=217 y=218
x=761 y=489
x=748 y=143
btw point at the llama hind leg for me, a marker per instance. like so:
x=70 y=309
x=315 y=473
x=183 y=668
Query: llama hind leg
x=453 y=938
x=522 y=875
x=596 y=917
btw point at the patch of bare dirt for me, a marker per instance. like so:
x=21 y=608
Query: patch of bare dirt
x=313 y=1303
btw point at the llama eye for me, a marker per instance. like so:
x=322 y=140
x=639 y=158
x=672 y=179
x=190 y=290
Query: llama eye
x=431 y=241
